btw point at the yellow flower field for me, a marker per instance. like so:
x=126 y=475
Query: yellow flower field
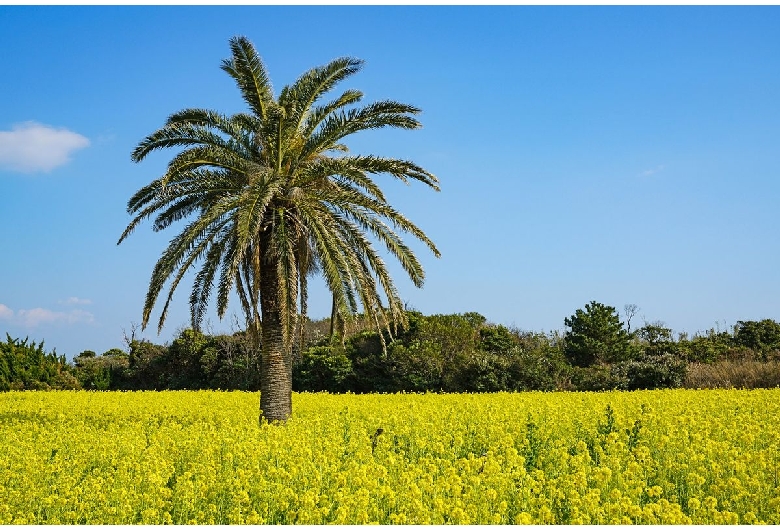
x=660 y=457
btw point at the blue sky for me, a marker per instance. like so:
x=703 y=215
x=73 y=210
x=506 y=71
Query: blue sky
x=618 y=154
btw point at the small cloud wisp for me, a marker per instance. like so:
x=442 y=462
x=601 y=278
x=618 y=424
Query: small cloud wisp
x=650 y=172
x=75 y=300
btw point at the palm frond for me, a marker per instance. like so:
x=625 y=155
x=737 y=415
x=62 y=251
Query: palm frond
x=319 y=113
x=338 y=125
x=183 y=250
x=249 y=72
x=298 y=98
x=204 y=281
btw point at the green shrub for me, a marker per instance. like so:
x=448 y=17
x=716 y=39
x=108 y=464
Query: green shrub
x=709 y=347
x=102 y=372
x=486 y=372
x=496 y=339
x=762 y=336
x=372 y=369
x=26 y=365
x=541 y=368
x=322 y=368
x=230 y=362
x=655 y=371
x=599 y=377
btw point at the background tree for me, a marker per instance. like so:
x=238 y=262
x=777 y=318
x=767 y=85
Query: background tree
x=656 y=339
x=538 y=362
x=231 y=362
x=323 y=368
x=630 y=310
x=658 y=363
x=763 y=337
x=434 y=350
x=596 y=335
x=706 y=347
x=104 y=372
x=26 y=365
x=275 y=198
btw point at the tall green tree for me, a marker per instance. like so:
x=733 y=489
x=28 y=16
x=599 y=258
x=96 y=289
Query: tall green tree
x=596 y=336
x=274 y=195
x=761 y=336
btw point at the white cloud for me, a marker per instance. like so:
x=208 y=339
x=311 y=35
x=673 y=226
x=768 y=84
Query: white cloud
x=30 y=147
x=650 y=172
x=31 y=318
x=75 y=300
x=6 y=313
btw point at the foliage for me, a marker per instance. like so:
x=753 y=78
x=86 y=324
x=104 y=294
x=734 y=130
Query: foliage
x=192 y=361
x=596 y=336
x=195 y=361
x=599 y=377
x=26 y=365
x=647 y=457
x=322 y=368
x=485 y=372
x=454 y=353
x=654 y=371
x=148 y=368
x=101 y=372
x=707 y=347
x=656 y=339
x=495 y=339
x=372 y=366
x=439 y=346
x=433 y=353
x=538 y=363
x=762 y=337
x=231 y=362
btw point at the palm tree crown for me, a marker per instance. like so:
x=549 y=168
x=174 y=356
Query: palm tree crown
x=273 y=196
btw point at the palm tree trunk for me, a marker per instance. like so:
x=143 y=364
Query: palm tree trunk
x=275 y=382
x=337 y=325
x=275 y=378
x=333 y=317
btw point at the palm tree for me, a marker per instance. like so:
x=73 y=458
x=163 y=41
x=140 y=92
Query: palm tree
x=274 y=196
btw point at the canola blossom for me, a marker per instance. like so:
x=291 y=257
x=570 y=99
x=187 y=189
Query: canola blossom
x=658 y=457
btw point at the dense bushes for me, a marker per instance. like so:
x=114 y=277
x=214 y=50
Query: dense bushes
x=437 y=353
x=434 y=353
x=192 y=361
x=100 y=373
x=26 y=366
x=323 y=368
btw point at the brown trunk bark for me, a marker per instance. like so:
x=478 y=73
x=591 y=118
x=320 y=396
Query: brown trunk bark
x=276 y=376
x=275 y=383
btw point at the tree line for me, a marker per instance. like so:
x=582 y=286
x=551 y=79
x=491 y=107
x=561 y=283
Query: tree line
x=430 y=353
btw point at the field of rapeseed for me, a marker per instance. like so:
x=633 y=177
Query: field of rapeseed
x=662 y=457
